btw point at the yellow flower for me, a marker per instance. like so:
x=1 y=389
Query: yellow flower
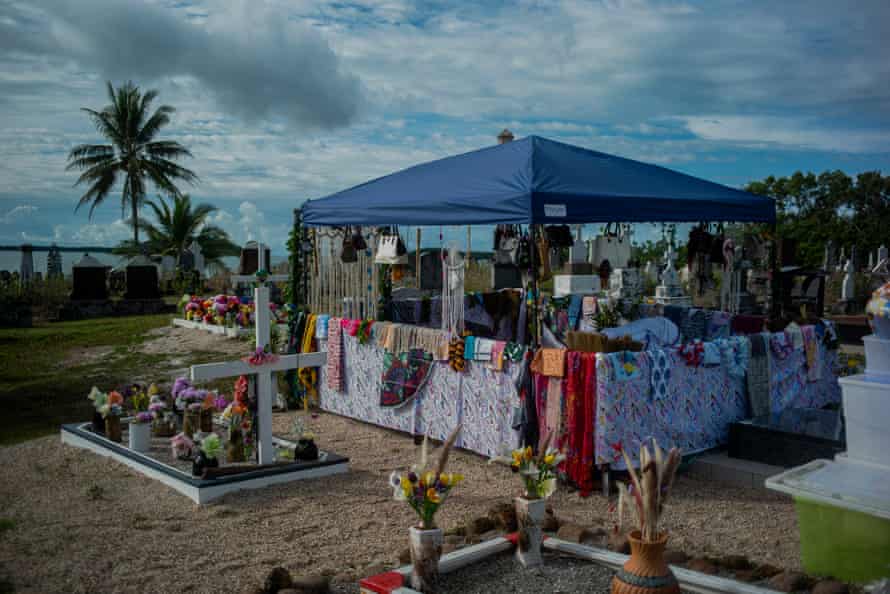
x=528 y=453
x=428 y=479
x=445 y=479
x=433 y=495
x=517 y=457
x=851 y=363
x=549 y=458
x=629 y=367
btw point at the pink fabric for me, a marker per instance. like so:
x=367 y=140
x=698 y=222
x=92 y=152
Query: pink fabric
x=580 y=412
x=553 y=412
x=334 y=368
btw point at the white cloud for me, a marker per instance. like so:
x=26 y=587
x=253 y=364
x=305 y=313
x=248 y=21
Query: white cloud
x=18 y=213
x=787 y=132
x=102 y=234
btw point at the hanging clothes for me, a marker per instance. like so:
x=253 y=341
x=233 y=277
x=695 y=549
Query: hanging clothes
x=549 y=362
x=812 y=349
x=308 y=375
x=718 y=325
x=758 y=375
x=660 y=372
x=580 y=412
x=334 y=364
x=525 y=386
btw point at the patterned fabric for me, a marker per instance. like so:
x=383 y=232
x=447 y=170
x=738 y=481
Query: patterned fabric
x=790 y=386
x=734 y=354
x=624 y=365
x=574 y=311
x=403 y=375
x=711 y=354
x=660 y=374
x=334 y=365
x=718 y=326
x=480 y=399
x=811 y=349
x=513 y=351
x=694 y=415
x=580 y=405
x=758 y=375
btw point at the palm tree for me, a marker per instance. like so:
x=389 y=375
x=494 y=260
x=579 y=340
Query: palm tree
x=133 y=157
x=177 y=224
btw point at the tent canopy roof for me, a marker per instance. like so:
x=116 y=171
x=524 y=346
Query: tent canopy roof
x=536 y=180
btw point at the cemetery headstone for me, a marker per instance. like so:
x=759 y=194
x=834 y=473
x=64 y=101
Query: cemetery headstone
x=26 y=270
x=54 y=262
x=89 y=280
x=142 y=279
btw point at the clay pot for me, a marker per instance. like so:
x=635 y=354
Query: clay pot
x=207 y=420
x=646 y=571
x=426 y=548
x=191 y=422
x=113 y=428
x=235 y=446
x=530 y=517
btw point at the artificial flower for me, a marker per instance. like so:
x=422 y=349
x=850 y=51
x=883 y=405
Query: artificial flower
x=433 y=495
x=115 y=397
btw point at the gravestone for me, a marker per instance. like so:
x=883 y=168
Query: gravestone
x=26 y=270
x=89 y=280
x=250 y=258
x=54 y=262
x=142 y=279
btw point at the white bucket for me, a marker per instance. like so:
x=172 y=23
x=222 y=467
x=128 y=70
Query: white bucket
x=140 y=437
x=867 y=414
x=877 y=355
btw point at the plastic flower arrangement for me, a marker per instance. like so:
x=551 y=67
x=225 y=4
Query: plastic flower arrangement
x=185 y=395
x=538 y=473
x=182 y=446
x=143 y=417
x=649 y=488
x=211 y=446
x=426 y=490
x=113 y=404
x=218 y=310
x=99 y=399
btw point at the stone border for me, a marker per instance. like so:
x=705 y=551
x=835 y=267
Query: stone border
x=393 y=582
x=202 y=490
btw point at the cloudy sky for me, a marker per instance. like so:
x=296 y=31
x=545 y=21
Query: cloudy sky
x=286 y=100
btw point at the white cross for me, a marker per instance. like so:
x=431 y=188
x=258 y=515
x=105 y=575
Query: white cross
x=263 y=373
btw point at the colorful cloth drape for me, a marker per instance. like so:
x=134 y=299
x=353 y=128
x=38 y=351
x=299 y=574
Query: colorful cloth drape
x=580 y=413
x=403 y=375
x=334 y=366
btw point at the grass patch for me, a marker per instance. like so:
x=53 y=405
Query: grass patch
x=39 y=393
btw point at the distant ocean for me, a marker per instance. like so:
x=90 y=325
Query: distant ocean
x=12 y=261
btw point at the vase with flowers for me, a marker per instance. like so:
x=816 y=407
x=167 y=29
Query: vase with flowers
x=110 y=407
x=163 y=420
x=236 y=418
x=98 y=399
x=538 y=475
x=208 y=407
x=425 y=491
x=140 y=431
x=208 y=454
x=646 y=572
x=191 y=421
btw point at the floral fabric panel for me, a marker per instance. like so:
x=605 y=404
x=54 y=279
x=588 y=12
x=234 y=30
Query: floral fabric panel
x=791 y=385
x=694 y=412
x=480 y=398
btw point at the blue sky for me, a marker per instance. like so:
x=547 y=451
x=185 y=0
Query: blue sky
x=283 y=101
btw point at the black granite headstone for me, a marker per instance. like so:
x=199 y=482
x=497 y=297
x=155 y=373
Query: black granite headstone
x=89 y=280
x=142 y=279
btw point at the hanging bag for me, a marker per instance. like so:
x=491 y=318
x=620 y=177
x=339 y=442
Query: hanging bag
x=388 y=251
x=358 y=240
x=347 y=253
x=507 y=251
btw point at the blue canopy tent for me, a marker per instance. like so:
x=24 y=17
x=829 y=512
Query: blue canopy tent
x=535 y=181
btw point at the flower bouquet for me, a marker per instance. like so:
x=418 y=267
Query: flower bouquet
x=207 y=455
x=181 y=446
x=164 y=421
x=425 y=491
x=648 y=492
x=111 y=407
x=538 y=474
x=191 y=422
x=236 y=417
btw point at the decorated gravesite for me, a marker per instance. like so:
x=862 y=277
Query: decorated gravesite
x=329 y=326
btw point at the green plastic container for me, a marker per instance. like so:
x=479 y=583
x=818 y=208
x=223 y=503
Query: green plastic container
x=843 y=543
x=843 y=513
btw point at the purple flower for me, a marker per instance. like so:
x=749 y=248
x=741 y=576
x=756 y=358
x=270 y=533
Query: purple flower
x=179 y=385
x=144 y=417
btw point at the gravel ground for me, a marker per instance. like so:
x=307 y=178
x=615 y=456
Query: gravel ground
x=82 y=523
x=503 y=575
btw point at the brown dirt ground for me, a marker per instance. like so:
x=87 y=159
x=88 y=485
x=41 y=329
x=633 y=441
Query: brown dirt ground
x=82 y=523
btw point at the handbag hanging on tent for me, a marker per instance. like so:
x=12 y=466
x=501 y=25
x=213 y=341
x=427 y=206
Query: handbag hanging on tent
x=348 y=253
x=507 y=251
x=358 y=240
x=388 y=249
